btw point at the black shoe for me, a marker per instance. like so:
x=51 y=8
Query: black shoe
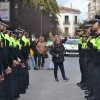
x=87 y=92
x=91 y=98
x=23 y=92
x=90 y=95
x=79 y=84
x=84 y=88
x=26 y=87
x=35 y=68
x=17 y=97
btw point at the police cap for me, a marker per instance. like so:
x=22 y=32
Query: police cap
x=88 y=24
x=5 y=23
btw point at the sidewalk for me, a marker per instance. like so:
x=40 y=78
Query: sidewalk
x=43 y=87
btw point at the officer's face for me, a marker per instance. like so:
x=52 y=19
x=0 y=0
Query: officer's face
x=80 y=33
x=20 y=34
x=4 y=28
x=88 y=31
x=84 y=39
x=1 y=27
x=8 y=32
x=95 y=26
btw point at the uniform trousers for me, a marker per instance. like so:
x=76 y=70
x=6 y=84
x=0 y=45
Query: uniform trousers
x=85 y=72
x=93 y=79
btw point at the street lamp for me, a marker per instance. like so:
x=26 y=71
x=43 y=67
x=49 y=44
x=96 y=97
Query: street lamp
x=56 y=20
x=16 y=14
x=50 y=15
x=41 y=8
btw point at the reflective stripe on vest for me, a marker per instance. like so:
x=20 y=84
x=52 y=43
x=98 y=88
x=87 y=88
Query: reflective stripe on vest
x=98 y=43
x=18 y=43
x=7 y=37
x=28 y=42
x=93 y=41
x=3 y=37
x=25 y=40
x=80 y=41
x=84 y=46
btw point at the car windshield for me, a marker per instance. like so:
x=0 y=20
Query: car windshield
x=74 y=42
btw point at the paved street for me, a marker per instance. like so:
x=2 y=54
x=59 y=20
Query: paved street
x=43 y=86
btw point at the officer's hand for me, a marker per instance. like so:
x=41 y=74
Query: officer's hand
x=57 y=55
x=9 y=69
x=15 y=63
x=63 y=53
x=2 y=77
x=19 y=60
x=23 y=65
x=26 y=61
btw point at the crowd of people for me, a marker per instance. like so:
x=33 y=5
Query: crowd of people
x=52 y=49
x=89 y=58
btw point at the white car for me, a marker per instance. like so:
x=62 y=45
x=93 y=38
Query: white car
x=71 y=47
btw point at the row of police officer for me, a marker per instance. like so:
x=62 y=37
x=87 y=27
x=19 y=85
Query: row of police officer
x=89 y=58
x=14 y=53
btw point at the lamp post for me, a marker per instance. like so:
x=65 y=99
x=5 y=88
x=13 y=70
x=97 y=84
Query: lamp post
x=41 y=8
x=50 y=15
x=16 y=14
x=56 y=20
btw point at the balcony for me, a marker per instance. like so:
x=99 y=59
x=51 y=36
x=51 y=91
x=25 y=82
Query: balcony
x=66 y=23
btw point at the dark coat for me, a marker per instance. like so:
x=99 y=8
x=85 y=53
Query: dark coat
x=57 y=49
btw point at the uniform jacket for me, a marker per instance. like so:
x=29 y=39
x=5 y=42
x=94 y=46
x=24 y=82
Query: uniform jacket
x=57 y=49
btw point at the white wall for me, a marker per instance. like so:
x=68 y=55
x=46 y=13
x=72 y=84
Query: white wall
x=71 y=26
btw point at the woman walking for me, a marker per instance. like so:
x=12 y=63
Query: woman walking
x=58 y=52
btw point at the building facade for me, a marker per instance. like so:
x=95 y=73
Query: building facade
x=93 y=8
x=69 y=20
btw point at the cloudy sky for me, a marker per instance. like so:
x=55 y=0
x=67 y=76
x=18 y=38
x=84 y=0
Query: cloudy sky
x=82 y=5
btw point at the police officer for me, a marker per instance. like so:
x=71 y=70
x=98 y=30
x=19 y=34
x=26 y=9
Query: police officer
x=6 y=65
x=1 y=67
x=91 y=59
x=24 y=51
x=83 y=62
x=80 y=32
x=96 y=27
x=87 y=32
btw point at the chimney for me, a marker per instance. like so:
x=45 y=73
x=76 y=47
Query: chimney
x=71 y=5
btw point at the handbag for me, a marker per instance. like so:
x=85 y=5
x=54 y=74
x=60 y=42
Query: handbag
x=45 y=55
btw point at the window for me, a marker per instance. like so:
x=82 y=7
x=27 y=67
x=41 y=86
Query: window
x=66 y=19
x=74 y=42
x=75 y=19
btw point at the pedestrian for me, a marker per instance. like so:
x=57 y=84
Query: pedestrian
x=64 y=40
x=34 y=43
x=31 y=59
x=49 y=44
x=58 y=52
x=41 y=48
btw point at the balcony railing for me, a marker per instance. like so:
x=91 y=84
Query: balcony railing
x=66 y=23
